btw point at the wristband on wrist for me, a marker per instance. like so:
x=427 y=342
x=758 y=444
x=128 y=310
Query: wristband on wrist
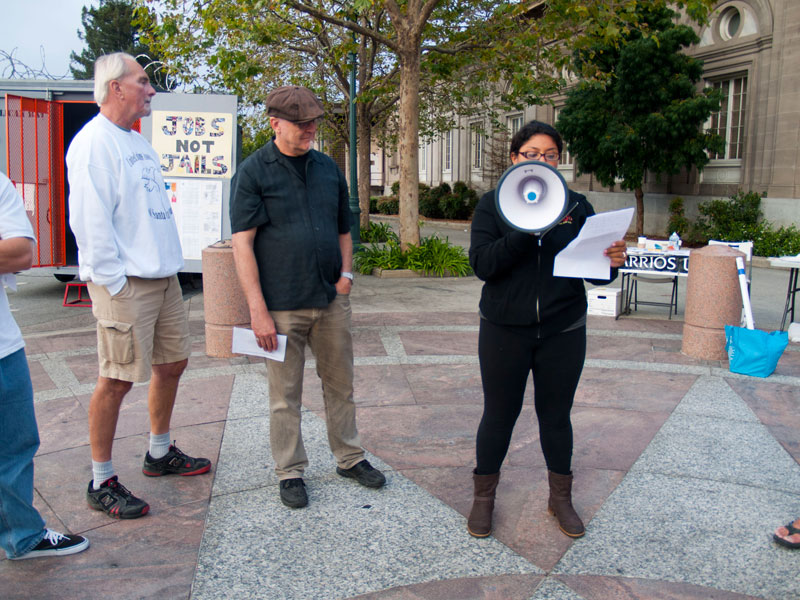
x=347 y=275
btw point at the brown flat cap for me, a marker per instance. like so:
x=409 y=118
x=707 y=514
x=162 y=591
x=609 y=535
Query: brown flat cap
x=294 y=103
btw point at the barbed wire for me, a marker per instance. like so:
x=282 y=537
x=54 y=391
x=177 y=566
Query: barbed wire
x=12 y=67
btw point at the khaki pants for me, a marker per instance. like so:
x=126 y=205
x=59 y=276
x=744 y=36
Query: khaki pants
x=327 y=332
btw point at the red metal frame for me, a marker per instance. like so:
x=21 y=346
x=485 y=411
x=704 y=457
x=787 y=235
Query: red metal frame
x=81 y=300
x=46 y=162
x=47 y=165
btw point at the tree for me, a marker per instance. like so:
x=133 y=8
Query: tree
x=642 y=111
x=418 y=47
x=253 y=47
x=458 y=56
x=108 y=28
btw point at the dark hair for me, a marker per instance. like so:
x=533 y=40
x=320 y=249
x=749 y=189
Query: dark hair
x=530 y=130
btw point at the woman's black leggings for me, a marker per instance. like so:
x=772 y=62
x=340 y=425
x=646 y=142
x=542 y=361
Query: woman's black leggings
x=507 y=354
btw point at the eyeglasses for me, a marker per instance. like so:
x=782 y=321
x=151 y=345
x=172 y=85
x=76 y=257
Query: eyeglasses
x=531 y=155
x=305 y=124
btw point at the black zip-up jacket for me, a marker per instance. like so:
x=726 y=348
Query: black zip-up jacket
x=517 y=269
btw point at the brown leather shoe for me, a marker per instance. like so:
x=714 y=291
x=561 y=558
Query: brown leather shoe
x=560 y=505
x=479 y=523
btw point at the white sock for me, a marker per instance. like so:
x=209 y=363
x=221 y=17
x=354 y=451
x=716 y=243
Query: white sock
x=101 y=471
x=159 y=445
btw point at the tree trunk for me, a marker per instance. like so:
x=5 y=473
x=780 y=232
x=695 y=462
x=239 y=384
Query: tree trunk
x=364 y=170
x=639 y=211
x=409 y=146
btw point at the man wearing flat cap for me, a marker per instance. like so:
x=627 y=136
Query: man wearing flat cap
x=290 y=218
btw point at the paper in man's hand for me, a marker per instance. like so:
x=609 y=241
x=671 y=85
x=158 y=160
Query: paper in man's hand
x=244 y=342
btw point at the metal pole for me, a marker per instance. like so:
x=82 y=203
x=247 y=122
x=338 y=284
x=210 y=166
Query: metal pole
x=355 y=228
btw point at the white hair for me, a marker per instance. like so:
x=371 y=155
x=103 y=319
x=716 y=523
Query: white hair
x=107 y=68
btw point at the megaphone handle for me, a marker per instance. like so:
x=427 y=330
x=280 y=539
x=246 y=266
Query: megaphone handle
x=544 y=232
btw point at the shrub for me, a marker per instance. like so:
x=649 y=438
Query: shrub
x=433 y=256
x=677 y=218
x=454 y=208
x=440 y=191
x=735 y=216
x=388 y=205
x=378 y=233
x=740 y=219
x=429 y=202
x=373 y=205
x=781 y=242
x=395 y=188
x=468 y=196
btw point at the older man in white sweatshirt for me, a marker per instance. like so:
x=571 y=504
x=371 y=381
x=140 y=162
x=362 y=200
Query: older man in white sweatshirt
x=129 y=253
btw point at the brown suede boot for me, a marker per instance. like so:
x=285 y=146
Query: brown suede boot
x=479 y=523
x=560 y=505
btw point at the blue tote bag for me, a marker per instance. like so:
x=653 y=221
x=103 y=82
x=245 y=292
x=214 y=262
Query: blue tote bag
x=752 y=351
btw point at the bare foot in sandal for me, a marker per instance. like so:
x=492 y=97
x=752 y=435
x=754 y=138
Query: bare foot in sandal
x=788 y=535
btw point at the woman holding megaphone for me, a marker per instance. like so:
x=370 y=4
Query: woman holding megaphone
x=530 y=321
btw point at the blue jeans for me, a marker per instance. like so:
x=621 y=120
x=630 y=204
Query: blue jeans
x=21 y=525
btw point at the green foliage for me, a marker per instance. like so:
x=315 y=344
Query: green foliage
x=677 y=218
x=444 y=202
x=253 y=137
x=420 y=64
x=388 y=205
x=784 y=241
x=740 y=218
x=389 y=256
x=433 y=256
x=395 y=188
x=378 y=233
x=429 y=203
x=112 y=27
x=739 y=213
x=441 y=190
x=466 y=195
x=641 y=110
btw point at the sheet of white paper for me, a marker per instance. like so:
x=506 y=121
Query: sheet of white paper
x=244 y=342
x=583 y=257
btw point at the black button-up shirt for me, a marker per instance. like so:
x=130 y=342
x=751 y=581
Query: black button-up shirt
x=298 y=225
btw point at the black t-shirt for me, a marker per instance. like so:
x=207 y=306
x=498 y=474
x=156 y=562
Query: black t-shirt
x=298 y=164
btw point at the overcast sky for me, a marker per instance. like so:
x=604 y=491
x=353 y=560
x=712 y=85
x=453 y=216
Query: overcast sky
x=36 y=26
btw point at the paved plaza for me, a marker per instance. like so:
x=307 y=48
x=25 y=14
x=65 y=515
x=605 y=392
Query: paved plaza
x=682 y=469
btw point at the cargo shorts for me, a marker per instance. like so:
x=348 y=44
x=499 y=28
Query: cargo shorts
x=145 y=324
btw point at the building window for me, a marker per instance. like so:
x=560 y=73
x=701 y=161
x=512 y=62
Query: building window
x=476 y=146
x=447 y=152
x=565 y=160
x=514 y=124
x=729 y=121
x=730 y=23
x=423 y=158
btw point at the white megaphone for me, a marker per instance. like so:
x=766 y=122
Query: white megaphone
x=532 y=196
